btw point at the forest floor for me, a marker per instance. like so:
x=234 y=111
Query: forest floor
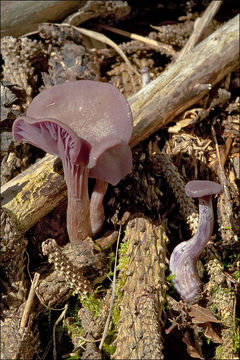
x=146 y=214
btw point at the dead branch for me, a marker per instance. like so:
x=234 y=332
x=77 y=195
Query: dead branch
x=185 y=82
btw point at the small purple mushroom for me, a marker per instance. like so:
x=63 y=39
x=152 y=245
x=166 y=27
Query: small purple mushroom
x=183 y=260
x=88 y=124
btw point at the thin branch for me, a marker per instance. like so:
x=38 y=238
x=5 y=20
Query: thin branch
x=113 y=293
x=29 y=302
x=167 y=49
x=54 y=330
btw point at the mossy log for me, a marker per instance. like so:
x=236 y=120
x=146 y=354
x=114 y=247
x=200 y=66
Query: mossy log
x=34 y=193
x=40 y=188
x=141 y=291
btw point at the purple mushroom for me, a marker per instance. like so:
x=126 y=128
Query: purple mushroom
x=88 y=125
x=183 y=260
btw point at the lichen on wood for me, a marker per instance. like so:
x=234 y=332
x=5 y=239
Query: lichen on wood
x=34 y=193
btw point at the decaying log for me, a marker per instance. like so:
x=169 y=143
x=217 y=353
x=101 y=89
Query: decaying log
x=34 y=193
x=40 y=188
x=143 y=293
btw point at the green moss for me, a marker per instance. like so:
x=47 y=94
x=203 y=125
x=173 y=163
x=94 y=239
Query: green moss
x=214 y=309
x=237 y=337
x=109 y=349
x=236 y=274
x=122 y=267
x=93 y=304
x=219 y=353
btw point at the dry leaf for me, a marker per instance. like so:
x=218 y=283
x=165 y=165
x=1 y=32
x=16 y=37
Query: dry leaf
x=191 y=349
x=179 y=125
x=211 y=334
x=201 y=315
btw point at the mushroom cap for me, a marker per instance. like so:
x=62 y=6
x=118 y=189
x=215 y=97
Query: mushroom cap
x=90 y=122
x=201 y=188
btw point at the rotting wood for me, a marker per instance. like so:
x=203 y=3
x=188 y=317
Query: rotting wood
x=36 y=192
x=143 y=293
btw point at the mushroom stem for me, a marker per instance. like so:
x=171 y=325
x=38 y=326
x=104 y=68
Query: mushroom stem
x=183 y=260
x=96 y=206
x=78 y=210
x=205 y=226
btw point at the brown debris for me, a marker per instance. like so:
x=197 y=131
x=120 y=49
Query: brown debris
x=63 y=264
x=13 y=262
x=173 y=34
x=15 y=344
x=69 y=62
x=22 y=58
x=163 y=163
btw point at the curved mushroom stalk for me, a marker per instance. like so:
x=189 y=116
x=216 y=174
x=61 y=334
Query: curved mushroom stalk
x=183 y=260
x=97 y=215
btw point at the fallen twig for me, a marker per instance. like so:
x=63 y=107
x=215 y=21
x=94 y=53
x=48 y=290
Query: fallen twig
x=29 y=302
x=54 y=330
x=113 y=294
x=167 y=49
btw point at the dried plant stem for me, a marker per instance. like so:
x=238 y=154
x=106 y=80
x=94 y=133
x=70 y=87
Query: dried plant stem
x=185 y=82
x=54 y=330
x=113 y=294
x=29 y=302
x=168 y=49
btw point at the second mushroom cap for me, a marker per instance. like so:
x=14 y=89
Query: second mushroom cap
x=201 y=188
